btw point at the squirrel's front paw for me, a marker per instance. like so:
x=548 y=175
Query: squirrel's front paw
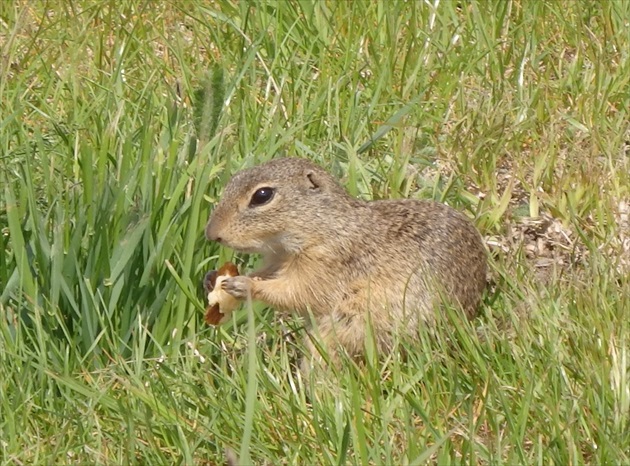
x=239 y=287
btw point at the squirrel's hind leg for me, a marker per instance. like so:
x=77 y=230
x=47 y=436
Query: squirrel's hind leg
x=331 y=336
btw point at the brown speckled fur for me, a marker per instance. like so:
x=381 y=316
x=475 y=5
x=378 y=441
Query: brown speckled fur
x=341 y=258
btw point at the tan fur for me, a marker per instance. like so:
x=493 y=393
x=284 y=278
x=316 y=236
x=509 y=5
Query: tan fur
x=342 y=259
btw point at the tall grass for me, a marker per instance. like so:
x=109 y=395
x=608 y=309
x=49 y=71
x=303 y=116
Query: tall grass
x=121 y=121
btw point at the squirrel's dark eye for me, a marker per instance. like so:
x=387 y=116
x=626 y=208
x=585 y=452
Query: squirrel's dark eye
x=261 y=196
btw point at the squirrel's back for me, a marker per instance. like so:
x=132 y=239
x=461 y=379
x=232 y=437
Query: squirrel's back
x=440 y=242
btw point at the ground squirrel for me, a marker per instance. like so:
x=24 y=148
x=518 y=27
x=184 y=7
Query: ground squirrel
x=341 y=259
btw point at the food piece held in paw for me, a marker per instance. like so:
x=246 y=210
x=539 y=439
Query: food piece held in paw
x=209 y=280
x=220 y=303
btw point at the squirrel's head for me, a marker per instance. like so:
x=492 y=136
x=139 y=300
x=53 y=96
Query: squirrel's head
x=277 y=208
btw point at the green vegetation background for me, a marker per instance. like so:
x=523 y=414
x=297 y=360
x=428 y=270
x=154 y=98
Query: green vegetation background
x=513 y=111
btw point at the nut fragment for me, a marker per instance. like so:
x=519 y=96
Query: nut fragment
x=220 y=303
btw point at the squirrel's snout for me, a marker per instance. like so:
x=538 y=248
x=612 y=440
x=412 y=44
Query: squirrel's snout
x=212 y=233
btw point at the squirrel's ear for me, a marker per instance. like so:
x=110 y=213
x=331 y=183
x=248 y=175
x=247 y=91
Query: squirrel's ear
x=314 y=181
